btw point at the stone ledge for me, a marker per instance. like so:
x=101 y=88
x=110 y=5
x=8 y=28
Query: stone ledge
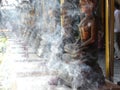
x=110 y=86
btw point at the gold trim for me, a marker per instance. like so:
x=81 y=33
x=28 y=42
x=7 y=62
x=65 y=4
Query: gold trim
x=109 y=41
x=107 y=52
x=61 y=2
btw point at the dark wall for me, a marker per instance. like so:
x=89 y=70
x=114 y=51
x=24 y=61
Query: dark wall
x=118 y=1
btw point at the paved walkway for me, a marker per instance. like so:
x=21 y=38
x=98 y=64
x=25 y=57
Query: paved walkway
x=101 y=61
x=21 y=69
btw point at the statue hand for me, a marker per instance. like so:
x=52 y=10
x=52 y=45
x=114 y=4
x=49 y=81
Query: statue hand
x=80 y=48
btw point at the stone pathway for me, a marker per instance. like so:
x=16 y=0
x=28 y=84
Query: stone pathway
x=22 y=69
x=101 y=62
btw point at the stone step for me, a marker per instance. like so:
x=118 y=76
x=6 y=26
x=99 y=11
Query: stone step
x=110 y=86
x=31 y=69
x=35 y=74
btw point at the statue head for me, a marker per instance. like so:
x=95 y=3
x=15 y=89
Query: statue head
x=88 y=5
x=90 y=2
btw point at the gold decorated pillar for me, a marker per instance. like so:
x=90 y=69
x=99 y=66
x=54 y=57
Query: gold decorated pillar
x=61 y=2
x=109 y=39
